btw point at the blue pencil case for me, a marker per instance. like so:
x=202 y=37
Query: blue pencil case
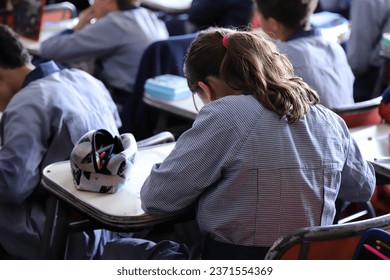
x=167 y=87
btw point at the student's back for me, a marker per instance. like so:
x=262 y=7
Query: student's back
x=321 y=63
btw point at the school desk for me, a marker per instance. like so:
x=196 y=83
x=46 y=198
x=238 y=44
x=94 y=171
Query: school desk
x=120 y=211
x=182 y=107
x=374 y=143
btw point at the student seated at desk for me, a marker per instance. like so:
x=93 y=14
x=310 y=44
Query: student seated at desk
x=45 y=112
x=320 y=62
x=262 y=158
x=116 y=42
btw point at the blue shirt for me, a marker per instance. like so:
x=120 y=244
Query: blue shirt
x=322 y=64
x=39 y=126
x=253 y=177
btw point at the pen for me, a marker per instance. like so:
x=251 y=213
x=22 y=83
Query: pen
x=376 y=252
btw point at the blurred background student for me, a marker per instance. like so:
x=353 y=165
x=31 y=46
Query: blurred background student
x=369 y=19
x=320 y=62
x=115 y=42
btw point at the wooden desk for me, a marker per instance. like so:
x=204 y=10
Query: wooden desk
x=120 y=211
x=374 y=143
x=183 y=107
x=168 y=6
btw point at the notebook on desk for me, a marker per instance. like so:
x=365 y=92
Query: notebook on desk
x=25 y=17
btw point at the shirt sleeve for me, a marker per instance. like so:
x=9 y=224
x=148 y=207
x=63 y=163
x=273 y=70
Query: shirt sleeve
x=357 y=177
x=92 y=41
x=196 y=163
x=23 y=147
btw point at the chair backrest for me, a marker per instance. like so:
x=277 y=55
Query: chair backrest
x=360 y=113
x=325 y=242
x=161 y=57
x=59 y=11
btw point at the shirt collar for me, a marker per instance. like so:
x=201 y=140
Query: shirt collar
x=132 y=7
x=304 y=33
x=42 y=70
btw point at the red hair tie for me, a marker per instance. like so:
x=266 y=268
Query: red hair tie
x=225 y=41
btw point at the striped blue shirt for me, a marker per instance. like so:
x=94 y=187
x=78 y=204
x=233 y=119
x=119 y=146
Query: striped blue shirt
x=253 y=177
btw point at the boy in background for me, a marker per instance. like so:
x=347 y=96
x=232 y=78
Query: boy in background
x=321 y=63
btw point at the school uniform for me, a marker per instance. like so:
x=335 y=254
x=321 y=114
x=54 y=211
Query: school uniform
x=369 y=19
x=253 y=177
x=322 y=64
x=40 y=126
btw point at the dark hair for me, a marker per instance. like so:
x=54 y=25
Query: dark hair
x=13 y=54
x=251 y=62
x=125 y=4
x=294 y=14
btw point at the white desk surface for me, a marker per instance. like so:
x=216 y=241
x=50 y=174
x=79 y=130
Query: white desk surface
x=121 y=210
x=48 y=29
x=169 y=6
x=183 y=107
x=374 y=144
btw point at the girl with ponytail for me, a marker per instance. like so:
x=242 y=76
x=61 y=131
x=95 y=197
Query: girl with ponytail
x=262 y=158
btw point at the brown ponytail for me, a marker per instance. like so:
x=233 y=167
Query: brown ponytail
x=249 y=62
